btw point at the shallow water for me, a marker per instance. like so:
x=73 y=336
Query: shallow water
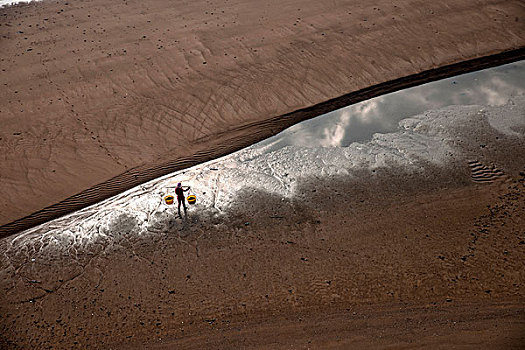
x=358 y=122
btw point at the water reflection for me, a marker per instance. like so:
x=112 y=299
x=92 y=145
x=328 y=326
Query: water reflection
x=493 y=86
x=423 y=142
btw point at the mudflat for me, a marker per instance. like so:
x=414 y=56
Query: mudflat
x=397 y=260
x=99 y=96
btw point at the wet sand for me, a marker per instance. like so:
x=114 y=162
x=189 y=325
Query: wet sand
x=121 y=92
x=425 y=251
x=99 y=96
x=396 y=260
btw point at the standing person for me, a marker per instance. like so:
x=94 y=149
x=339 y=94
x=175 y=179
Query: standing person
x=179 y=191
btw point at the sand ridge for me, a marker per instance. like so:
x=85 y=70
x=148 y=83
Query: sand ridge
x=95 y=89
x=448 y=137
x=414 y=238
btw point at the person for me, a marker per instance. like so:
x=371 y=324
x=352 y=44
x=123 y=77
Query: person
x=179 y=191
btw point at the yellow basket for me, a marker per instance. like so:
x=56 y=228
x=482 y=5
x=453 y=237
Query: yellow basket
x=192 y=199
x=169 y=199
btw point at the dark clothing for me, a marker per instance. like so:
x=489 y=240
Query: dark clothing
x=180 y=198
x=179 y=192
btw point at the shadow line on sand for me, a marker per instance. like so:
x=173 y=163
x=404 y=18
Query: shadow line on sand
x=221 y=144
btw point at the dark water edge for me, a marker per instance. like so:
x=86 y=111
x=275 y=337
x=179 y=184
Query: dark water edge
x=243 y=136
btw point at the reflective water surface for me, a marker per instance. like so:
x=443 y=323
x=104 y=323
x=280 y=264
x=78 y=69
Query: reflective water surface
x=412 y=130
x=493 y=87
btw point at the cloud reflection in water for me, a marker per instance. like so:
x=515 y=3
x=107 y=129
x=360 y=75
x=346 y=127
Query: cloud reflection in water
x=493 y=86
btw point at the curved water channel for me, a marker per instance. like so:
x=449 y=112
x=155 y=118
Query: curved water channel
x=358 y=122
x=409 y=129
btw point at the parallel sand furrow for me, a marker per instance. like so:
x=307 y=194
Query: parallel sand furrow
x=483 y=174
x=209 y=148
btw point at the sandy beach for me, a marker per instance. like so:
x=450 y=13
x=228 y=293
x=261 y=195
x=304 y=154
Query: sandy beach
x=98 y=97
x=413 y=238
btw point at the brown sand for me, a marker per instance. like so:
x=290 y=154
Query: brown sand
x=100 y=88
x=95 y=89
x=395 y=261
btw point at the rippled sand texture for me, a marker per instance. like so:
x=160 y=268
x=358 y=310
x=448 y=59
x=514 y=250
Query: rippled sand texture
x=411 y=239
x=93 y=89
